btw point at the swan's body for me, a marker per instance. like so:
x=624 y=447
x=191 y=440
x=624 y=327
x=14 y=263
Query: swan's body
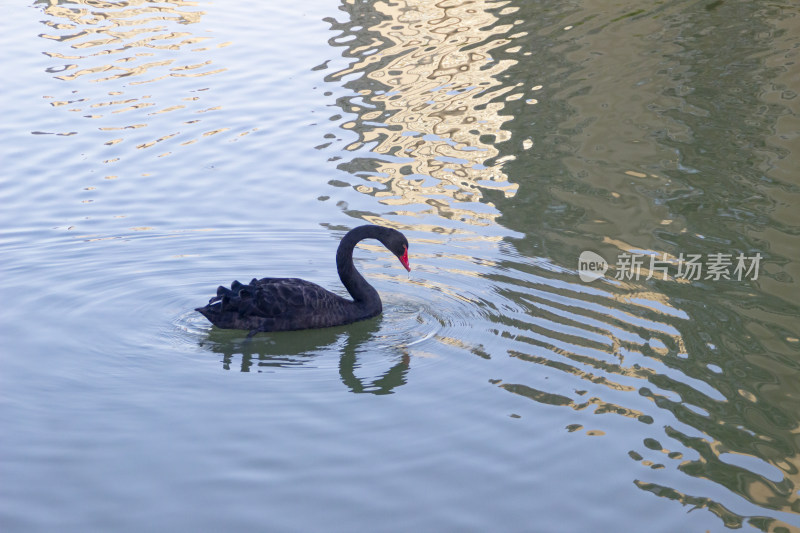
x=283 y=304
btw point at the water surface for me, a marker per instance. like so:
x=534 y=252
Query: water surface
x=153 y=150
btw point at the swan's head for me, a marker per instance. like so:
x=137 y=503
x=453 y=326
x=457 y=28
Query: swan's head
x=392 y=239
x=397 y=243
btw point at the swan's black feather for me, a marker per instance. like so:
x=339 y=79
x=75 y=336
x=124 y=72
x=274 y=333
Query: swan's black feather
x=280 y=304
x=283 y=304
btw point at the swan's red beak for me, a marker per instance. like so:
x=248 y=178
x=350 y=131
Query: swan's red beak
x=404 y=259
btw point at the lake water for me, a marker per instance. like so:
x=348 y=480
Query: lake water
x=154 y=150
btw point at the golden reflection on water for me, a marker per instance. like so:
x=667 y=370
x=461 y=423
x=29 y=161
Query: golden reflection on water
x=429 y=108
x=119 y=28
x=127 y=46
x=724 y=429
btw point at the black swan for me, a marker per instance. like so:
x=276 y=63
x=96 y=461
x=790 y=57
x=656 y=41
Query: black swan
x=284 y=304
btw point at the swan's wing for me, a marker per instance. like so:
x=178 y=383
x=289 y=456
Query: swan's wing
x=276 y=304
x=287 y=297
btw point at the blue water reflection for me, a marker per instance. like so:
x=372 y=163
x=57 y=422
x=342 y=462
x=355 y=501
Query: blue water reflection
x=156 y=149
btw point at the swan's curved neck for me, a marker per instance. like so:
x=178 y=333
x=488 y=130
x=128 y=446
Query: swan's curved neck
x=362 y=292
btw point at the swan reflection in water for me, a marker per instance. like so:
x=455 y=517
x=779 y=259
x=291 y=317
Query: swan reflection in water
x=357 y=344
